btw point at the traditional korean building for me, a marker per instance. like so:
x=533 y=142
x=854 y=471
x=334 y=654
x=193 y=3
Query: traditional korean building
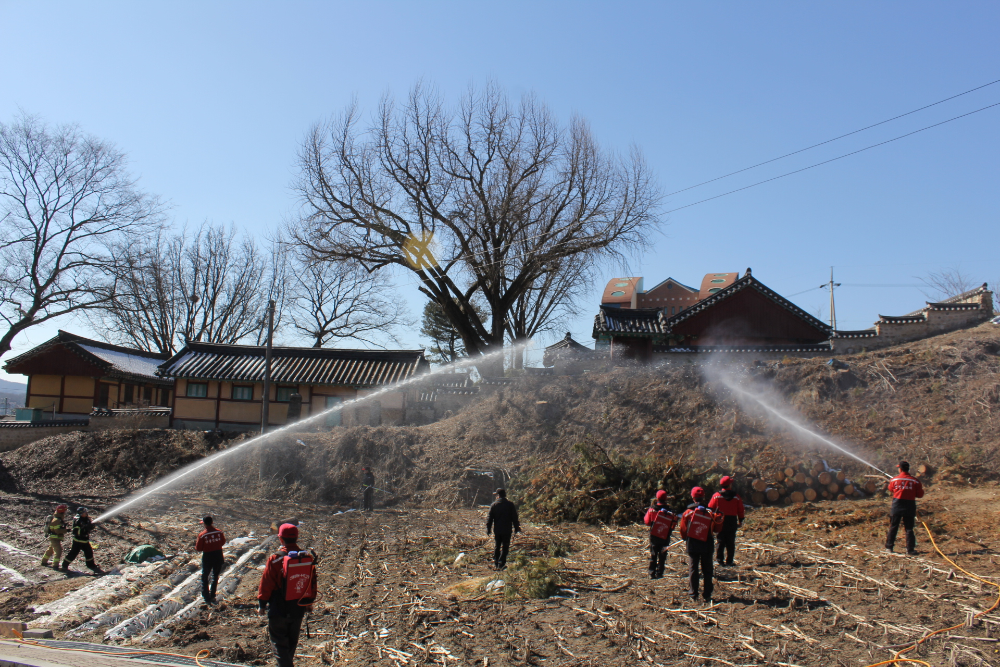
x=741 y=315
x=71 y=375
x=221 y=386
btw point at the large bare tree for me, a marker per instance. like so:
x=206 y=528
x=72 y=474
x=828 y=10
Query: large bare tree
x=480 y=202
x=210 y=285
x=66 y=200
x=340 y=300
x=947 y=283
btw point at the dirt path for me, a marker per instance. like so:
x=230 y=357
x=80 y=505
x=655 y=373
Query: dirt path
x=812 y=587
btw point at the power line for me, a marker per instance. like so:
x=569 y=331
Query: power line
x=823 y=143
x=840 y=157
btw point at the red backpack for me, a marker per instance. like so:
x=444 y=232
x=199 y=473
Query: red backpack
x=663 y=524
x=297 y=567
x=701 y=524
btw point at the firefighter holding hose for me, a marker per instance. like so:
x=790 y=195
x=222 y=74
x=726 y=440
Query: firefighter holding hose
x=82 y=525
x=905 y=490
x=728 y=503
x=288 y=588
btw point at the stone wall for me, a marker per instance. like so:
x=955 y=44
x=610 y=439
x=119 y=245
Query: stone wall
x=18 y=434
x=960 y=312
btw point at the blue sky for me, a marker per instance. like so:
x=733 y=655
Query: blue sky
x=210 y=101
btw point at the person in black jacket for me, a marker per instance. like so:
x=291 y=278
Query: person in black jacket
x=82 y=525
x=368 y=482
x=502 y=520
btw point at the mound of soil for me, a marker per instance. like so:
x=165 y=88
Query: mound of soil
x=115 y=461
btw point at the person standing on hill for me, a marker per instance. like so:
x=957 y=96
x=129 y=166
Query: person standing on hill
x=209 y=543
x=661 y=522
x=288 y=588
x=368 y=482
x=730 y=506
x=905 y=490
x=503 y=521
x=698 y=525
x=82 y=525
x=55 y=530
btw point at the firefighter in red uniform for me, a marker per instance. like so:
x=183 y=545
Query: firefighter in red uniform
x=287 y=590
x=905 y=490
x=209 y=543
x=661 y=522
x=698 y=525
x=729 y=505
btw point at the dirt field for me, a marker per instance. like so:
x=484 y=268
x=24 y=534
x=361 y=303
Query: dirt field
x=811 y=587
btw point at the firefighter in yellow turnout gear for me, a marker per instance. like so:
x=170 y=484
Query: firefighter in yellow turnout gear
x=55 y=530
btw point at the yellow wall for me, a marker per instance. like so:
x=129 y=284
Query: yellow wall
x=78 y=405
x=194 y=408
x=43 y=402
x=77 y=385
x=240 y=411
x=46 y=384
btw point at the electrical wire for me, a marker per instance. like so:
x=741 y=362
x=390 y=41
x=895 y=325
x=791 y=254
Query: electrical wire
x=839 y=157
x=823 y=143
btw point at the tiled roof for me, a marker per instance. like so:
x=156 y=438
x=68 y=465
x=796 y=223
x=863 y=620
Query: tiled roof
x=295 y=365
x=568 y=343
x=746 y=282
x=732 y=349
x=858 y=333
x=648 y=321
x=115 y=360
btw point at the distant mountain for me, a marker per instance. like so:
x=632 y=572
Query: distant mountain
x=8 y=387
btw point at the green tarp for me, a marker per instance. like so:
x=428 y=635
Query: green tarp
x=142 y=553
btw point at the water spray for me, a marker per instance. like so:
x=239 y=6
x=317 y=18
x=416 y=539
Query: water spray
x=732 y=386
x=185 y=472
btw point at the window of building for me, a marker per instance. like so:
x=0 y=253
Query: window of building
x=718 y=280
x=714 y=290
x=618 y=293
x=284 y=394
x=673 y=309
x=197 y=389
x=621 y=284
x=242 y=393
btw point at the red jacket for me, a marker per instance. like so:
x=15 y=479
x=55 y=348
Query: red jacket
x=905 y=487
x=210 y=539
x=727 y=506
x=273 y=580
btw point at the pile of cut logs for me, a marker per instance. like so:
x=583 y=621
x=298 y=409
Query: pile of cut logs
x=810 y=482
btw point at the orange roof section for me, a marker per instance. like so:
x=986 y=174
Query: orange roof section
x=621 y=292
x=716 y=282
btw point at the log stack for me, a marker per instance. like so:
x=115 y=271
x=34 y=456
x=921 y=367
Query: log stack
x=809 y=481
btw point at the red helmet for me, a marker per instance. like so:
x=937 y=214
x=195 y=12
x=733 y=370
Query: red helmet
x=661 y=495
x=62 y=508
x=726 y=482
x=288 y=532
x=697 y=492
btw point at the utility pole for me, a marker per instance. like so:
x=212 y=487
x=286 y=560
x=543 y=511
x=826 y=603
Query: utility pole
x=266 y=398
x=833 y=310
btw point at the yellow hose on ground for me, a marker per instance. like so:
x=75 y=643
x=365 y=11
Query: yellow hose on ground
x=896 y=659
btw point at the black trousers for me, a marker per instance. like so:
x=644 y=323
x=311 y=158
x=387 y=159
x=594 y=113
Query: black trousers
x=88 y=552
x=657 y=556
x=908 y=521
x=704 y=562
x=727 y=544
x=500 y=549
x=369 y=499
x=212 y=563
x=284 y=634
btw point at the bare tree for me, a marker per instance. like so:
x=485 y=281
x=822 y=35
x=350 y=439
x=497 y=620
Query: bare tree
x=340 y=300
x=946 y=284
x=208 y=286
x=65 y=200
x=481 y=202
